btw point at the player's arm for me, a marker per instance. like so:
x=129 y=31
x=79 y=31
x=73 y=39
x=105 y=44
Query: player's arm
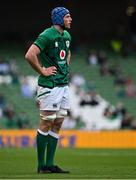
x=32 y=57
x=69 y=57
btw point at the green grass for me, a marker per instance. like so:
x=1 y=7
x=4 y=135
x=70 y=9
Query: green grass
x=82 y=163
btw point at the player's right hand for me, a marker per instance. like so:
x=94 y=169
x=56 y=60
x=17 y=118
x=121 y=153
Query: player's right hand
x=49 y=71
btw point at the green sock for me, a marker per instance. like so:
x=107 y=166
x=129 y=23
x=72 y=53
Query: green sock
x=51 y=148
x=41 y=145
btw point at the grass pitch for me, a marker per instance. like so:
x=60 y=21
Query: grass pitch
x=83 y=164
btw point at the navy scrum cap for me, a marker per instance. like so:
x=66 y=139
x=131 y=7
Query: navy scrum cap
x=58 y=14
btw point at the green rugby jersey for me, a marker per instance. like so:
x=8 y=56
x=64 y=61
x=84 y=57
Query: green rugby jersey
x=54 y=48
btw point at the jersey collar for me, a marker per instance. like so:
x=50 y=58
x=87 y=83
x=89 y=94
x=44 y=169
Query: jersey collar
x=58 y=31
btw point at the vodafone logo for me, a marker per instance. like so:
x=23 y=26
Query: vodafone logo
x=62 y=54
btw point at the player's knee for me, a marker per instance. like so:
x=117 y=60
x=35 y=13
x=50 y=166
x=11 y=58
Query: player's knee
x=56 y=128
x=61 y=113
x=46 y=121
x=57 y=125
x=45 y=126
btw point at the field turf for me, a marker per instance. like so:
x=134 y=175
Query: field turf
x=83 y=164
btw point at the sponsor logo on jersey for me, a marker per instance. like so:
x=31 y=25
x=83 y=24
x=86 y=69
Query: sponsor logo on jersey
x=62 y=54
x=67 y=44
x=55 y=105
x=56 y=44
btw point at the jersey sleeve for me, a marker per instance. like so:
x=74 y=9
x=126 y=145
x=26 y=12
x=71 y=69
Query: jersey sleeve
x=42 y=42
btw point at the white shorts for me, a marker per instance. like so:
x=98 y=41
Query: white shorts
x=53 y=99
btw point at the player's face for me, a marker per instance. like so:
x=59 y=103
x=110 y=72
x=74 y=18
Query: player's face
x=67 y=21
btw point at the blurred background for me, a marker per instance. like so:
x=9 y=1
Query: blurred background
x=103 y=76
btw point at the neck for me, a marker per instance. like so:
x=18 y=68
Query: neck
x=59 y=28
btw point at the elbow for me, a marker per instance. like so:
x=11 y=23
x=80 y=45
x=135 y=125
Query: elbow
x=27 y=56
x=32 y=53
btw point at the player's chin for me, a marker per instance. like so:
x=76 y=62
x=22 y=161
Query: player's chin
x=68 y=26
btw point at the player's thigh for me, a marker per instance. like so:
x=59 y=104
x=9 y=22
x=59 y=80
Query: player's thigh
x=65 y=102
x=56 y=126
x=49 y=99
x=46 y=120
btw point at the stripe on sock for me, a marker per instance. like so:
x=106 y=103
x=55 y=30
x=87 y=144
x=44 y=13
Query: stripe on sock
x=43 y=133
x=53 y=134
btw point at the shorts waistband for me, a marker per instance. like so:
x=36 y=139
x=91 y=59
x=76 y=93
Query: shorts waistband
x=51 y=87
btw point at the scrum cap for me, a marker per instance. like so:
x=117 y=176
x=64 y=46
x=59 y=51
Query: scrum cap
x=58 y=14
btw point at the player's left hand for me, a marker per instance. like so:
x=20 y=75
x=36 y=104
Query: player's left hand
x=49 y=71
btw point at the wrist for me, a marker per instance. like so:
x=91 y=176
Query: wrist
x=44 y=71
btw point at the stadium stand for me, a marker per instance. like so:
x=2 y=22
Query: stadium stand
x=102 y=85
